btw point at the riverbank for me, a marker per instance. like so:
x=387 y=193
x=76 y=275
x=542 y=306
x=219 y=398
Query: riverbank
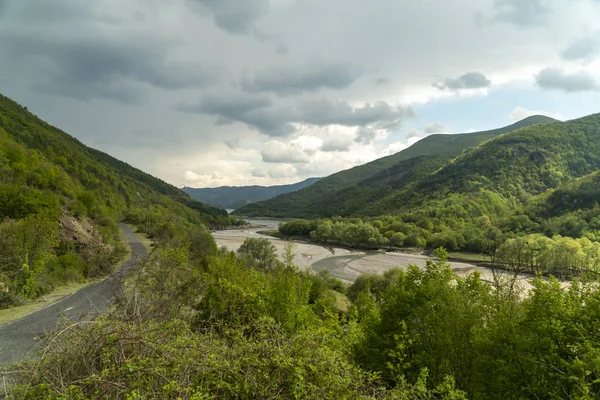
x=346 y=264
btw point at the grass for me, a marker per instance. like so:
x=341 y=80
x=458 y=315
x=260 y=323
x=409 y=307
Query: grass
x=342 y=303
x=14 y=313
x=143 y=239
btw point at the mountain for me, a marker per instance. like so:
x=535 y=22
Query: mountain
x=516 y=166
x=542 y=179
x=346 y=192
x=60 y=203
x=232 y=197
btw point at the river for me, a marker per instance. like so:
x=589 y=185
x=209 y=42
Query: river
x=341 y=263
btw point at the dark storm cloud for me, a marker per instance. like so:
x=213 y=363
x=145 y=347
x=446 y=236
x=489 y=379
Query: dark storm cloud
x=557 y=79
x=229 y=108
x=43 y=11
x=382 y=115
x=236 y=16
x=297 y=79
x=586 y=49
x=523 y=13
x=95 y=66
x=469 y=80
x=277 y=120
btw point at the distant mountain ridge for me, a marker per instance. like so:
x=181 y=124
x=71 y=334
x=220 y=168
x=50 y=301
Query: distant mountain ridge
x=348 y=192
x=232 y=197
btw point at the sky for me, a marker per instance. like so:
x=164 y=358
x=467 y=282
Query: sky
x=206 y=93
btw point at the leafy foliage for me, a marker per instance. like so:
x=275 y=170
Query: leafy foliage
x=50 y=183
x=220 y=330
x=224 y=329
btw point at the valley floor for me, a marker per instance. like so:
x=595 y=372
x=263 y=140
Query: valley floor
x=341 y=263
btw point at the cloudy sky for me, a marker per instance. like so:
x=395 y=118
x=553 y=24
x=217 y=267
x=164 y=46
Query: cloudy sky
x=234 y=92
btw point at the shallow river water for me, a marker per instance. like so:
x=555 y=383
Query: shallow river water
x=341 y=263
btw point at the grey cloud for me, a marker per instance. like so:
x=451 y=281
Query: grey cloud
x=254 y=111
x=258 y=173
x=287 y=157
x=365 y=135
x=436 y=128
x=429 y=129
x=337 y=145
x=380 y=115
x=585 y=49
x=297 y=79
x=281 y=48
x=236 y=16
x=415 y=133
x=381 y=81
x=86 y=91
x=282 y=171
x=232 y=144
x=557 y=79
x=278 y=120
x=522 y=13
x=88 y=67
x=229 y=106
x=469 y=80
x=44 y=11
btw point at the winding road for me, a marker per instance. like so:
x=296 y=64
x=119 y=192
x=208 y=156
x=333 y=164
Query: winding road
x=19 y=338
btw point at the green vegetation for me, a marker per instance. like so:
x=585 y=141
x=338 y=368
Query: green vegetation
x=197 y=322
x=542 y=179
x=60 y=204
x=200 y=324
x=347 y=192
x=232 y=197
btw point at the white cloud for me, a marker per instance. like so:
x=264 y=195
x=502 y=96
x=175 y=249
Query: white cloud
x=282 y=171
x=299 y=150
x=318 y=100
x=395 y=147
x=520 y=113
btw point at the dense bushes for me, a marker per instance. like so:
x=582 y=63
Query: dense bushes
x=228 y=329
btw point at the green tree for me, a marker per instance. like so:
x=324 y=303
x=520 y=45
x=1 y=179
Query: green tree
x=259 y=253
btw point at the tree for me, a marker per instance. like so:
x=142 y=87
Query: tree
x=259 y=253
x=25 y=248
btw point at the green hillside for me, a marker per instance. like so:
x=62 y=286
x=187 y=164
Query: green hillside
x=514 y=166
x=373 y=180
x=60 y=202
x=233 y=197
x=572 y=209
x=539 y=180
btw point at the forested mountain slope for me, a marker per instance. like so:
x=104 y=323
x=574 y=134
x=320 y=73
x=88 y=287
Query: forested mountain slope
x=60 y=202
x=238 y=196
x=540 y=180
x=345 y=192
x=514 y=166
